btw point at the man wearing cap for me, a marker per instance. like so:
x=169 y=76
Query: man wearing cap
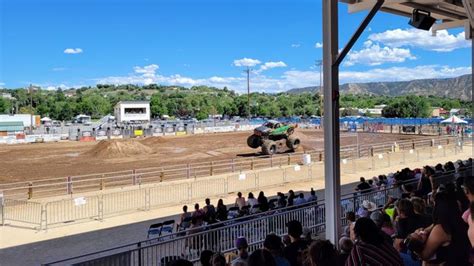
x=274 y=245
x=241 y=245
x=294 y=251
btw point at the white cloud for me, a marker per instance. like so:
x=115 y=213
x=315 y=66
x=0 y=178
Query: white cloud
x=403 y=73
x=73 y=51
x=374 y=55
x=57 y=69
x=2 y=84
x=318 y=45
x=295 y=45
x=270 y=65
x=246 y=62
x=288 y=80
x=442 y=42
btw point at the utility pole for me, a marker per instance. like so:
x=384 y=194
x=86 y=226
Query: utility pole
x=31 y=108
x=320 y=64
x=248 y=91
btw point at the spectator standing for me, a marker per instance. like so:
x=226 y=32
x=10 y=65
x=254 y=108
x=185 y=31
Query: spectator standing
x=312 y=196
x=183 y=223
x=263 y=201
x=291 y=197
x=371 y=248
x=198 y=214
x=294 y=251
x=221 y=213
x=241 y=245
x=209 y=212
x=251 y=200
x=274 y=245
x=240 y=201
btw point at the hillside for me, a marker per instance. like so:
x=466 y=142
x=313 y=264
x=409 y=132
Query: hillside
x=458 y=88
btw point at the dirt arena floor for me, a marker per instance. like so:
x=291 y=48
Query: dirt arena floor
x=49 y=160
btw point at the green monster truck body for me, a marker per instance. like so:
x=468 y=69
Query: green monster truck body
x=274 y=137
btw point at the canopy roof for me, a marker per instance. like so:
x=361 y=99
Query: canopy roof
x=449 y=13
x=454 y=120
x=45 y=119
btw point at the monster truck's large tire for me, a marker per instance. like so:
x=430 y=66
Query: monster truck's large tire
x=290 y=131
x=269 y=147
x=254 y=141
x=293 y=143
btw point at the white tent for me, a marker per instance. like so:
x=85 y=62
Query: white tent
x=45 y=119
x=454 y=120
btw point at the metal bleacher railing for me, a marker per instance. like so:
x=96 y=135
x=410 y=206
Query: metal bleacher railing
x=51 y=212
x=220 y=236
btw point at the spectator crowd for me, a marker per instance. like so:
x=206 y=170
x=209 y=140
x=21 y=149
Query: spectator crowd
x=425 y=221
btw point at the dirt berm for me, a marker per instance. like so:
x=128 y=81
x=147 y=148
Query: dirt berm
x=118 y=149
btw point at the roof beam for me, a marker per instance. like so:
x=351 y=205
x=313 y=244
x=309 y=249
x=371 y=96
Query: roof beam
x=470 y=13
x=441 y=14
x=361 y=5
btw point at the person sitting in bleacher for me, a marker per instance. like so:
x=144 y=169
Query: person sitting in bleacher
x=445 y=241
x=322 y=253
x=239 y=201
x=371 y=247
x=251 y=200
x=312 y=196
x=300 y=200
x=274 y=245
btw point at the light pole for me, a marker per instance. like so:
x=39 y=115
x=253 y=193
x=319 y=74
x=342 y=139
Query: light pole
x=248 y=91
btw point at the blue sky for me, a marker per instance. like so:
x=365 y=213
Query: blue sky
x=64 y=43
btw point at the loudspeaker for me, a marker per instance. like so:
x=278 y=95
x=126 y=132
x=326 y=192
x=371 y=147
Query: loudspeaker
x=421 y=19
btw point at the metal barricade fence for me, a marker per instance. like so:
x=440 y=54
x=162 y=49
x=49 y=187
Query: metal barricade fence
x=409 y=151
x=69 y=210
x=21 y=211
x=219 y=237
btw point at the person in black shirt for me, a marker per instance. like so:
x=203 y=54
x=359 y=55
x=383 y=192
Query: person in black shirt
x=294 y=251
x=363 y=186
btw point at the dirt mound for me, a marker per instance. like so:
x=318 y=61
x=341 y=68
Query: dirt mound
x=118 y=149
x=150 y=141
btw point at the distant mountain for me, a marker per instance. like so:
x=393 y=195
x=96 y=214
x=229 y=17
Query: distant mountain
x=457 y=88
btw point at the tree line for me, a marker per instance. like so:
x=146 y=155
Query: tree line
x=201 y=101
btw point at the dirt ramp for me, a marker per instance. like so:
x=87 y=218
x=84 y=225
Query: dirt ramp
x=150 y=141
x=118 y=149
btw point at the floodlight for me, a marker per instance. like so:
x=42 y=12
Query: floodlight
x=421 y=19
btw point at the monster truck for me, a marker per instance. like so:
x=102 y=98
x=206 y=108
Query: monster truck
x=274 y=137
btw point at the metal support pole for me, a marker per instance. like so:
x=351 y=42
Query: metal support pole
x=332 y=175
